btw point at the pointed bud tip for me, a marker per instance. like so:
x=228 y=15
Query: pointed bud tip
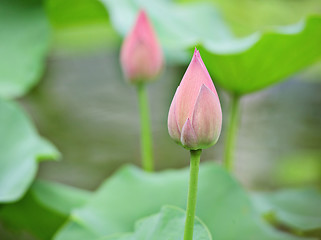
x=142 y=12
x=141 y=54
x=197 y=57
x=196 y=54
x=142 y=16
x=195 y=51
x=142 y=23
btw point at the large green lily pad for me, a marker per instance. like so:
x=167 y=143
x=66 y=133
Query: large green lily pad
x=21 y=149
x=298 y=209
x=58 y=197
x=264 y=58
x=132 y=194
x=29 y=216
x=167 y=225
x=43 y=209
x=25 y=39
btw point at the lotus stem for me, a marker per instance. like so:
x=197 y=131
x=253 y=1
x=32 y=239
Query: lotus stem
x=146 y=135
x=192 y=194
x=231 y=133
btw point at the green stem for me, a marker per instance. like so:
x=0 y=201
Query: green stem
x=192 y=194
x=231 y=133
x=146 y=135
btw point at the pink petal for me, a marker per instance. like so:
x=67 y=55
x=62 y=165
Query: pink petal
x=173 y=129
x=207 y=117
x=211 y=84
x=188 y=137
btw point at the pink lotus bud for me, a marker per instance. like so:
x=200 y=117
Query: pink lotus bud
x=141 y=55
x=195 y=115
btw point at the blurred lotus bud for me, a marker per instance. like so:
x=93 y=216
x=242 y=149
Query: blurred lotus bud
x=195 y=114
x=141 y=55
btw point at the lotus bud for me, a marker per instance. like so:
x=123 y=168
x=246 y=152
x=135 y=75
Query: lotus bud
x=141 y=56
x=195 y=114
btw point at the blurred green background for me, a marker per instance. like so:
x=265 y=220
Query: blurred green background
x=86 y=109
x=84 y=106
